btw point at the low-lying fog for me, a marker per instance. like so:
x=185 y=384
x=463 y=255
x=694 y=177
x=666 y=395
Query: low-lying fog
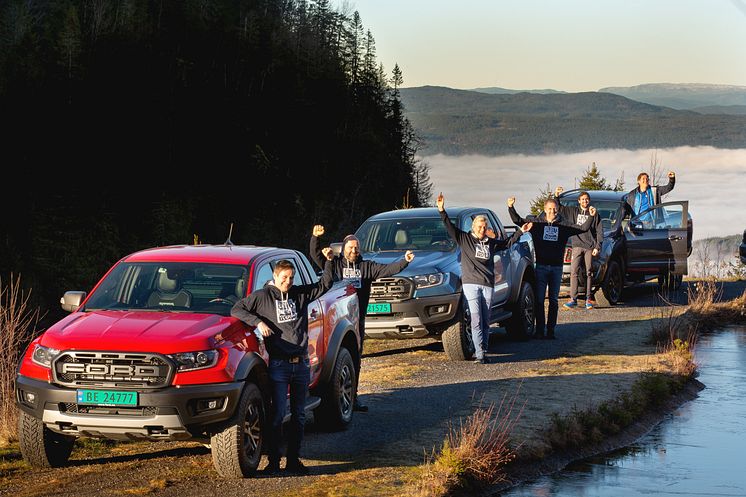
x=712 y=179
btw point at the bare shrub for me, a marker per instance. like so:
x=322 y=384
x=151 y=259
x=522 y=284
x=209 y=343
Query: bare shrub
x=17 y=328
x=475 y=451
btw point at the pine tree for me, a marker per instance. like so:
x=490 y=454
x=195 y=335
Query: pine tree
x=592 y=180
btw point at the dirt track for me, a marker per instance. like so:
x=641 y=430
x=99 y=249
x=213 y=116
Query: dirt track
x=413 y=393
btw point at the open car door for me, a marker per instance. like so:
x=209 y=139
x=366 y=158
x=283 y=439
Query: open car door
x=658 y=239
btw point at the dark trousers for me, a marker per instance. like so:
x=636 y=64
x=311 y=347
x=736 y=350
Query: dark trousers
x=551 y=277
x=296 y=376
x=586 y=255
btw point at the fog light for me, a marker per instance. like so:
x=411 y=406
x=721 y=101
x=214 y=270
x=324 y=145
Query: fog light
x=29 y=398
x=209 y=405
x=437 y=309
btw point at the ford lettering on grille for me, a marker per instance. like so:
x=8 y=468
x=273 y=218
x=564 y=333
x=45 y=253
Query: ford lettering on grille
x=112 y=369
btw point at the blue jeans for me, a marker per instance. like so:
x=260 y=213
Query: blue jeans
x=479 y=299
x=550 y=276
x=296 y=376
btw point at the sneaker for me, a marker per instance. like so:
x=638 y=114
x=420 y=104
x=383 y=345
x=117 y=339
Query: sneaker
x=272 y=468
x=570 y=304
x=483 y=360
x=295 y=466
x=358 y=406
x=590 y=304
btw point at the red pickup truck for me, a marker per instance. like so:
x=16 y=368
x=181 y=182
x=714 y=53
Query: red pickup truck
x=153 y=354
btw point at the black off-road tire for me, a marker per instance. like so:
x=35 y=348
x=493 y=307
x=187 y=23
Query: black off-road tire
x=40 y=446
x=237 y=449
x=457 y=340
x=338 y=397
x=522 y=324
x=611 y=290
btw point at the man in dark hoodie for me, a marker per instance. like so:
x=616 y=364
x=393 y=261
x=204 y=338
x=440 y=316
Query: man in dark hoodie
x=478 y=272
x=280 y=312
x=550 y=234
x=350 y=267
x=585 y=246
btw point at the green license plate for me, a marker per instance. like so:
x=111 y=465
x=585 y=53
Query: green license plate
x=107 y=398
x=379 y=308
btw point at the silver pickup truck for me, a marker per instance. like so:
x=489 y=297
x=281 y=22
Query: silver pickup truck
x=425 y=299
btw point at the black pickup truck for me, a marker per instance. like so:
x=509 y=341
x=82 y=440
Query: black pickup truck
x=654 y=244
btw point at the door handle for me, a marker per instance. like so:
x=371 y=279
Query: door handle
x=314 y=314
x=674 y=238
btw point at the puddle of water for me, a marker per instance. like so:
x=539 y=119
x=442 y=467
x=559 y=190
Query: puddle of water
x=700 y=449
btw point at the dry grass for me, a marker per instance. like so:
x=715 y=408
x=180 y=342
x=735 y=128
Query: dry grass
x=389 y=374
x=17 y=328
x=581 y=428
x=704 y=312
x=475 y=452
x=369 y=482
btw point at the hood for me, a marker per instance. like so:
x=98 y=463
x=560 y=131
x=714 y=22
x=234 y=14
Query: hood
x=424 y=261
x=136 y=331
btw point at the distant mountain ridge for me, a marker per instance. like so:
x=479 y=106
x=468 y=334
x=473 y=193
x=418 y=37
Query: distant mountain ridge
x=682 y=96
x=459 y=122
x=496 y=90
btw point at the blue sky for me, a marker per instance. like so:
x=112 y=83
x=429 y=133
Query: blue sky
x=572 y=45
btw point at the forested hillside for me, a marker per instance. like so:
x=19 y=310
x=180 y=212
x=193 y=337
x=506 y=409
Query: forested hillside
x=137 y=123
x=459 y=122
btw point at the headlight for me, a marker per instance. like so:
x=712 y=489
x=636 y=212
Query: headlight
x=189 y=361
x=44 y=356
x=428 y=280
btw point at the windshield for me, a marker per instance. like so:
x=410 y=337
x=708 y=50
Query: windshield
x=404 y=234
x=608 y=211
x=170 y=286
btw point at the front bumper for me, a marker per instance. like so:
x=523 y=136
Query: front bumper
x=413 y=318
x=171 y=413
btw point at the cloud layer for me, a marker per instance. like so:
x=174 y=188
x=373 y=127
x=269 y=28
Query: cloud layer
x=713 y=180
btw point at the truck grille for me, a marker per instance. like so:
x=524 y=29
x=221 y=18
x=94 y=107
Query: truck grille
x=72 y=408
x=112 y=369
x=390 y=289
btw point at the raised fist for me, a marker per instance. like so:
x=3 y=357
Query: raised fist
x=592 y=211
x=558 y=191
x=318 y=230
x=409 y=256
x=440 y=202
x=511 y=201
x=671 y=174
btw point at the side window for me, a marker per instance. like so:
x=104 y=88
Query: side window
x=668 y=217
x=310 y=270
x=301 y=275
x=262 y=276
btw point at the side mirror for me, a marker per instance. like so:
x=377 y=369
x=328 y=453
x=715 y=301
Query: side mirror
x=71 y=301
x=636 y=226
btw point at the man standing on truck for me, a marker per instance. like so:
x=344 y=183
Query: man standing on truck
x=550 y=235
x=280 y=312
x=350 y=267
x=478 y=272
x=646 y=196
